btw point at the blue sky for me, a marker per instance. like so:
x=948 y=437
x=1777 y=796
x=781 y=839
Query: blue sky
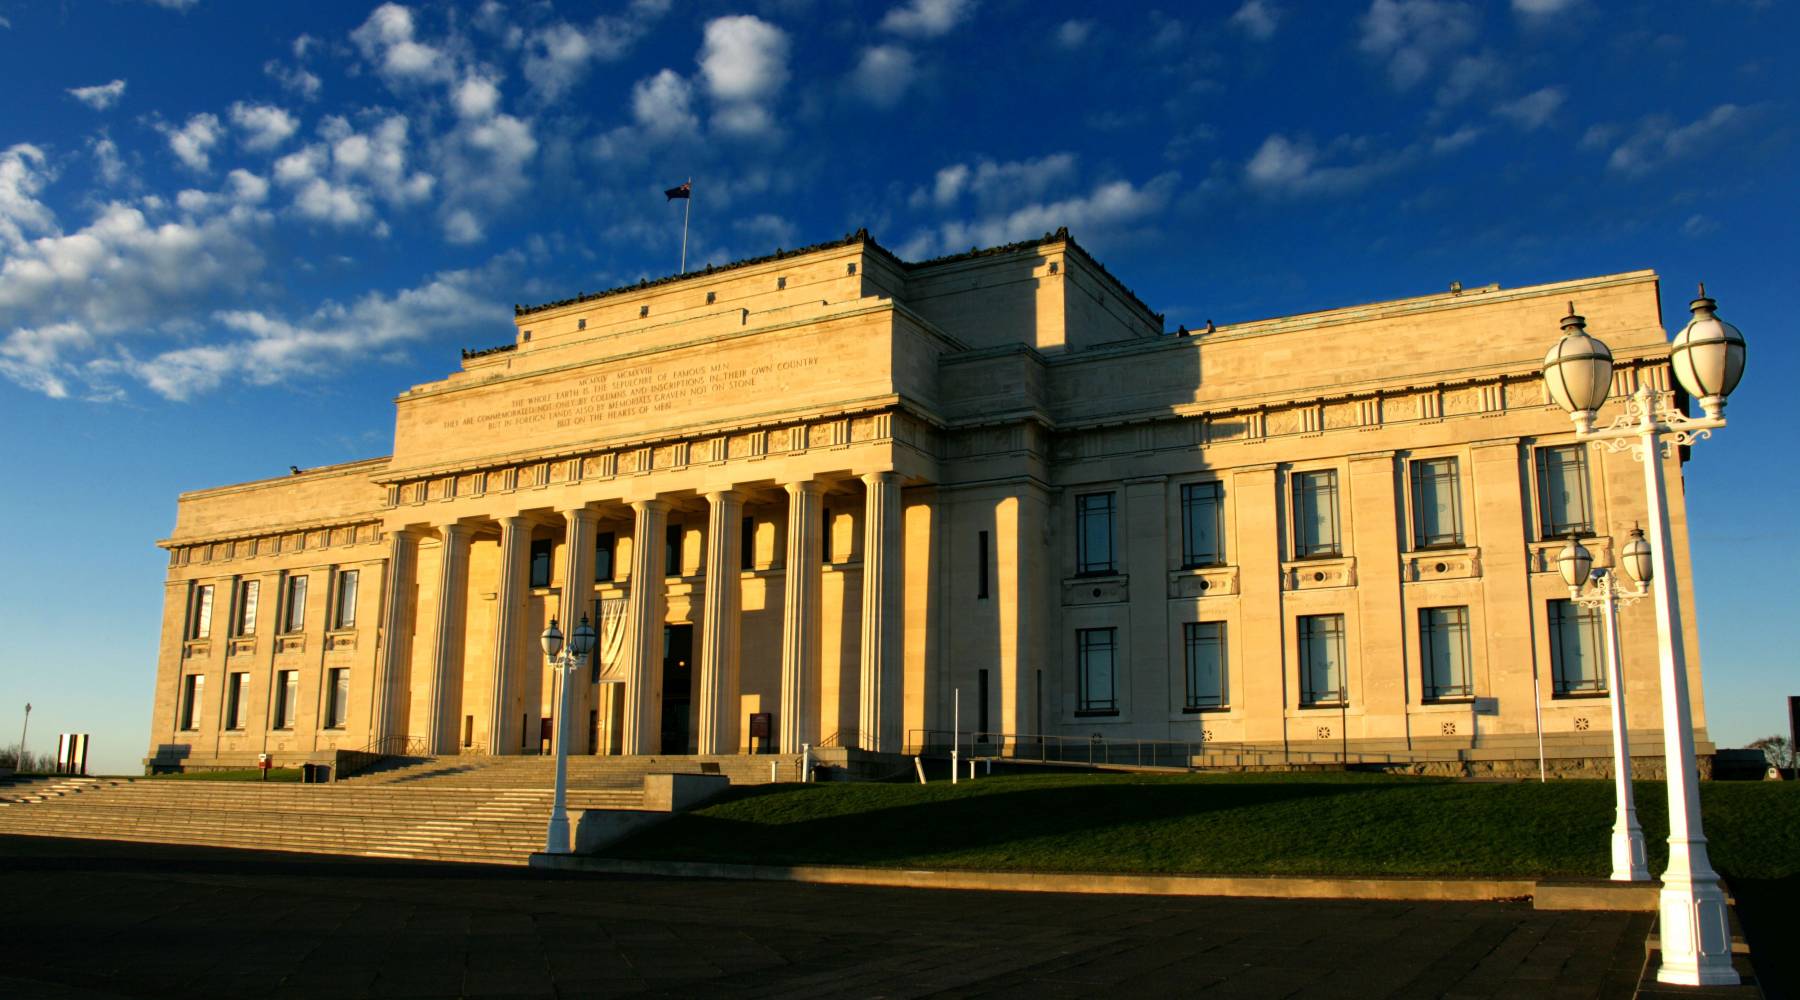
x=230 y=233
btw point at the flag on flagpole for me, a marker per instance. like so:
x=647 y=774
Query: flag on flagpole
x=686 y=190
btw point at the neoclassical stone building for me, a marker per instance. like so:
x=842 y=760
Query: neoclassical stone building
x=812 y=498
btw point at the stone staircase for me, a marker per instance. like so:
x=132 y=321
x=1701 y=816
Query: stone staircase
x=486 y=810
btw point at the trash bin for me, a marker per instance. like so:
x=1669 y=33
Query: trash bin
x=306 y=774
x=321 y=774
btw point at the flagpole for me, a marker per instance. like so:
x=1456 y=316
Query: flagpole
x=686 y=210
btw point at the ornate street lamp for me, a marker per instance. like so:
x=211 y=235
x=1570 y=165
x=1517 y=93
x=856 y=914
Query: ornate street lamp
x=1708 y=359
x=567 y=661
x=1628 y=863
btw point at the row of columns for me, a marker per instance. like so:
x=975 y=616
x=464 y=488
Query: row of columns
x=717 y=699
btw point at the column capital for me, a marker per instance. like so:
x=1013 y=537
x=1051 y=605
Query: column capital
x=724 y=496
x=804 y=487
x=884 y=477
x=580 y=512
x=454 y=530
x=654 y=505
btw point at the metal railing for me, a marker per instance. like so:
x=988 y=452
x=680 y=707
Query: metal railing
x=1097 y=751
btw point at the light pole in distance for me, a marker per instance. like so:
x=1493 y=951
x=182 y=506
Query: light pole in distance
x=565 y=661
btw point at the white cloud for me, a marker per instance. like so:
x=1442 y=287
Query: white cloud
x=663 y=104
x=1107 y=208
x=106 y=158
x=1073 y=34
x=461 y=227
x=1543 y=8
x=1659 y=141
x=339 y=204
x=1296 y=167
x=24 y=171
x=265 y=126
x=192 y=143
x=998 y=185
x=743 y=61
x=1697 y=226
x=1411 y=36
x=173 y=4
x=1258 y=19
x=557 y=55
x=1534 y=110
x=883 y=74
x=338 y=179
x=247 y=187
x=476 y=97
x=1469 y=76
x=296 y=80
x=387 y=39
x=1455 y=140
x=927 y=18
x=100 y=96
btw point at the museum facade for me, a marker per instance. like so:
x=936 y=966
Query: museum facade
x=828 y=497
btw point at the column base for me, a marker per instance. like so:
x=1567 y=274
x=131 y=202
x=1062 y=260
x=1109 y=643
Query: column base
x=556 y=839
x=1628 y=861
x=1696 y=935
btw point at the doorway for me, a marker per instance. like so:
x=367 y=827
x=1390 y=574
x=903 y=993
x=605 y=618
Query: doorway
x=678 y=688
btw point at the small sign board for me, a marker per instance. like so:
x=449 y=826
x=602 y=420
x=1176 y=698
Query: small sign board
x=1487 y=706
x=761 y=725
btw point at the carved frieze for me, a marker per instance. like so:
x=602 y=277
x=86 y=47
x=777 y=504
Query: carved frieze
x=1318 y=574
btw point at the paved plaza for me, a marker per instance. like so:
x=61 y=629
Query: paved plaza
x=89 y=919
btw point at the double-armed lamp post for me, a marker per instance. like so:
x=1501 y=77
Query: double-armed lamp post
x=566 y=661
x=1576 y=564
x=1708 y=359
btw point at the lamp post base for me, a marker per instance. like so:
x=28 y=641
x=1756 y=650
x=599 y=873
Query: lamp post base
x=556 y=839
x=1696 y=935
x=1628 y=861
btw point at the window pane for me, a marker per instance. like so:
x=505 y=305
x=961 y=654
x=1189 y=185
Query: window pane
x=1205 y=664
x=1201 y=518
x=1315 y=514
x=1321 y=659
x=337 y=698
x=234 y=701
x=296 y=604
x=1444 y=652
x=346 y=614
x=672 y=550
x=1576 y=648
x=287 y=693
x=1437 y=504
x=1094 y=533
x=603 y=557
x=203 y=602
x=1095 y=651
x=247 y=607
x=540 y=562
x=1563 y=491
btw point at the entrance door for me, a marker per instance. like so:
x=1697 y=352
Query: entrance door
x=678 y=688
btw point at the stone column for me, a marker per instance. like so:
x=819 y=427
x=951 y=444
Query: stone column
x=515 y=566
x=578 y=600
x=719 y=625
x=799 y=717
x=446 y=656
x=643 y=653
x=883 y=590
x=387 y=717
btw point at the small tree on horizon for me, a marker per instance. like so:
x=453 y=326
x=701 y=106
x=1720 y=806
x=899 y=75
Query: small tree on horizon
x=1776 y=750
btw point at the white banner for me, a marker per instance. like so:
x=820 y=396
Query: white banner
x=611 y=649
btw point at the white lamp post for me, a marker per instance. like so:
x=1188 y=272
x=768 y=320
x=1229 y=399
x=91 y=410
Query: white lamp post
x=1628 y=864
x=1708 y=359
x=556 y=839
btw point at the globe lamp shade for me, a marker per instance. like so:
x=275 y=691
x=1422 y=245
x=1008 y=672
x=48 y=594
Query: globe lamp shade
x=1578 y=371
x=1575 y=562
x=1708 y=355
x=552 y=640
x=581 y=643
x=1636 y=556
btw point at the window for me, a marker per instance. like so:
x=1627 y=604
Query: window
x=1322 y=660
x=604 y=545
x=1094 y=533
x=672 y=550
x=1444 y=653
x=237 y=687
x=200 y=611
x=1202 y=517
x=1436 y=504
x=747 y=544
x=825 y=537
x=1094 y=664
x=287 y=696
x=541 y=552
x=193 y=688
x=981 y=568
x=345 y=615
x=1563 y=492
x=1205 y=642
x=294 y=601
x=246 y=614
x=1316 y=514
x=337 y=697
x=1575 y=649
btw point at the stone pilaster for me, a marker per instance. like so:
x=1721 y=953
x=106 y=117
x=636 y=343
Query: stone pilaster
x=577 y=600
x=643 y=653
x=799 y=715
x=447 y=651
x=387 y=717
x=509 y=623
x=883 y=591
x=719 y=625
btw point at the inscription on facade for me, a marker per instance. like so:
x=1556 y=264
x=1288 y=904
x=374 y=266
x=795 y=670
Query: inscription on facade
x=627 y=393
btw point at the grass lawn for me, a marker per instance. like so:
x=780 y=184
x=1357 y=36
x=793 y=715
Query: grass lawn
x=246 y=774
x=1261 y=824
